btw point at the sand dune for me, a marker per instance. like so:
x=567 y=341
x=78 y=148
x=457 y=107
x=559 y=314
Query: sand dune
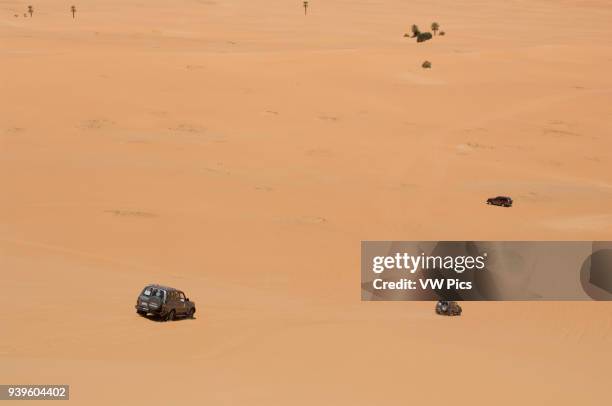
x=241 y=151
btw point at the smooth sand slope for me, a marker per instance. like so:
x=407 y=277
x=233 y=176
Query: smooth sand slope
x=241 y=151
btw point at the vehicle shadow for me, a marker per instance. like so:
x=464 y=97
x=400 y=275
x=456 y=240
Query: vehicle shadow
x=159 y=319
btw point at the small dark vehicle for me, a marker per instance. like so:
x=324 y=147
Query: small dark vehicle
x=448 y=308
x=504 y=201
x=164 y=302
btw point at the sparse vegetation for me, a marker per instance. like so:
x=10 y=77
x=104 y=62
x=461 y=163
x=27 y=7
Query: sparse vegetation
x=424 y=36
x=426 y=65
x=435 y=27
x=30 y=10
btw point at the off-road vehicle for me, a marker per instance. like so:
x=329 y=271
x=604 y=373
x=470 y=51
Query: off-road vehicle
x=448 y=308
x=164 y=302
x=504 y=201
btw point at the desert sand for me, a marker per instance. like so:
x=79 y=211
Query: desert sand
x=240 y=151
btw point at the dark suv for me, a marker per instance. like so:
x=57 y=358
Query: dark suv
x=164 y=302
x=504 y=201
x=448 y=308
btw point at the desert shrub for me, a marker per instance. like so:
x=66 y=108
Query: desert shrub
x=435 y=27
x=442 y=33
x=424 y=36
x=426 y=65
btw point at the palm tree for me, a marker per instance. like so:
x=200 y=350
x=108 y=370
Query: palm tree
x=73 y=10
x=305 y=7
x=415 y=30
x=435 y=27
x=30 y=10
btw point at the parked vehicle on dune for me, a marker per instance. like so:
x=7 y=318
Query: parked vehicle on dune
x=504 y=201
x=164 y=302
x=448 y=308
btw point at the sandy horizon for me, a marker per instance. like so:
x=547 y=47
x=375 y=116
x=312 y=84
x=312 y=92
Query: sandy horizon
x=241 y=151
